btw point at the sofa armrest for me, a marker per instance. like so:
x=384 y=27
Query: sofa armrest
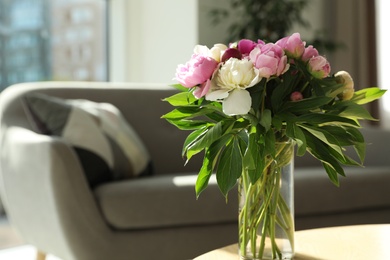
x=43 y=180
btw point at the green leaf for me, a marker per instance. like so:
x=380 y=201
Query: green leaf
x=306 y=105
x=277 y=122
x=209 y=162
x=256 y=93
x=332 y=174
x=344 y=159
x=187 y=112
x=266 y=119
x=317 y=87
x=355 y=111
x=359 y=143
x=269 y=144
x=360 y=149
x=229 y=167
x=345 y=135
x=355 y=134
x=331 y=87
x=367 y=95
x=258 y=160
x=248 y=159
x=324 y=136
x=282 y=90
x=325 y=119
x=216 y=116
x=294 y=132
x=239 y=125
x=188 y=124
x=181 y=99
x=213 y=133
x=204 y=175
x=351 y=162
x=243 y=140
x=348 y=137
x=227 y=126
x=192 y=137
x=254 y=160
x=179 y=87
x=322 y=152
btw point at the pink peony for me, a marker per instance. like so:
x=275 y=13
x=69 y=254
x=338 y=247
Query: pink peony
x=245 y=46
x=309 y=53
x=269 y=59
x=292 y=45
x=196 y=71
x=203 y=89
x=319 y=67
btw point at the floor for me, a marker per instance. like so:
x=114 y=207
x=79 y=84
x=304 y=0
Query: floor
x=8 y=237
x=12 y=246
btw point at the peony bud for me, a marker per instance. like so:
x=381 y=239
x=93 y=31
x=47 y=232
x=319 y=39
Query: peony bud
x=296 y=96
x=343 y=77
x=231 y=53
x=292 y=45
x=309 y=53
x=319 y=67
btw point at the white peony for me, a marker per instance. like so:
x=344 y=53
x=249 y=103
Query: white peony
x=229 y=85
x=215 y=52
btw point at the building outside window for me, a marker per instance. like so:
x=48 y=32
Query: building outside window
x=52 y=40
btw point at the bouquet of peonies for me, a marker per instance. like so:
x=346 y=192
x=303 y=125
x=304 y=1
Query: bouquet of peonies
x=248 y=104
x=239 y=100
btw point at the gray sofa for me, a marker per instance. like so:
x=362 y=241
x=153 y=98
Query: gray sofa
x=48 y=201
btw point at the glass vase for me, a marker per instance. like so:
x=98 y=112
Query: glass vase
x=266 y=208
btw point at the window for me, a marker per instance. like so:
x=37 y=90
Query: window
x=383 y=38
x=52 y=40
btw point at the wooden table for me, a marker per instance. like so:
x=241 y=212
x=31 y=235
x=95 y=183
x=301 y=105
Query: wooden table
x=338 y=243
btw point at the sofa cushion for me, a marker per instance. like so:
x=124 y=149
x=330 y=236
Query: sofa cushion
x=108 y=148
x=164 y=201
x=316 y=195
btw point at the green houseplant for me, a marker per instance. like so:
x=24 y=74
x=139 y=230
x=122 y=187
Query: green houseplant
x=269 y=20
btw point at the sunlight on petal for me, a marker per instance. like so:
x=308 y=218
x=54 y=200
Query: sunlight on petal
x=238 y=103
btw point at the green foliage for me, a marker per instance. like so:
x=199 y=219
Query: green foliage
x=269 y=19
x=367 y=95
x=320 y=124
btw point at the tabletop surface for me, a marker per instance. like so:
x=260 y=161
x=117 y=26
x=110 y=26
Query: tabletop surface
x=345 y=242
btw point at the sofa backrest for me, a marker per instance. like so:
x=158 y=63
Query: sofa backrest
x=141 y=104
